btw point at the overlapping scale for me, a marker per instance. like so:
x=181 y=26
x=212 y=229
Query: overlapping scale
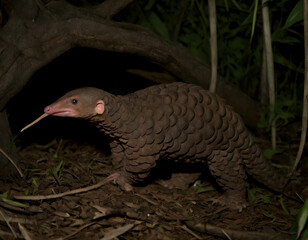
x=181 y=122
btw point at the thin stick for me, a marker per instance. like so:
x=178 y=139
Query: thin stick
x=305 y=100
x=231 y=234
x=270 y=66
x=78 y=230
x=34 y=122
x=213 y=43
x=191 y=232
x=75 y=191
x=11 y=160
x=24 y=232
x=7 y=222
x=146 y=199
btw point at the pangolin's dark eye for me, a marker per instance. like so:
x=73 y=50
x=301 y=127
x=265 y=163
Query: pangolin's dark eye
x=74 y=101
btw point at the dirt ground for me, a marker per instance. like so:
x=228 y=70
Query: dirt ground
x=149 y=212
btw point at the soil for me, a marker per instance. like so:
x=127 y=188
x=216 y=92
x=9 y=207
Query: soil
x=150 y=211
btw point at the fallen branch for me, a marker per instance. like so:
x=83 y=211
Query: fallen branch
x=232 y=234
x=75 y=191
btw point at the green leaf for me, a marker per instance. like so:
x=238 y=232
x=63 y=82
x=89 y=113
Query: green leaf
x=226 y=5
x=251 y=192
x=254 y=19
x=58 y=168
x=35 y=181
x=57 y=172
x=265 y=198
x=250 y=142
x=26 y=192
x=302 y=218
x=13 y=203
x=282 y=38
x=149 y=5
x=202 y=190
x=236 y=5
x=269 y=153
x=3 y=197
x=283 y=205
x=294 y=211
x=159 y=26
x=280 y=59
x=56 y=154
x=296 y=15
x=305 y=235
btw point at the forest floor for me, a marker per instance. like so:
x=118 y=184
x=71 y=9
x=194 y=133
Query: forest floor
x=149 y=212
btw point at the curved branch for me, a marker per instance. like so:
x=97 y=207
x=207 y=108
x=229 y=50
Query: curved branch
x=35 y=47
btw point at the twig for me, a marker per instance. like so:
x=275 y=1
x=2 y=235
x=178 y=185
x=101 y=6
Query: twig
x=78 y=230
x=75 y=191
x=112 y=234
x=8 y=235
x=13 y=208
x=18 y=220
x=270 y=66
x=11 y=160
x=8 y=223
x=24 y=232
x=191 y=232
x=226 y=234
x=106 y=211
x=147 y=199
x=305 y=100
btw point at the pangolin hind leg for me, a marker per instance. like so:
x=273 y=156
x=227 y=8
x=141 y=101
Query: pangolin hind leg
x=231 y=177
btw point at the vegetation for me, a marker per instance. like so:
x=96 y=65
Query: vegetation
x=300 y=226
x=240 y=43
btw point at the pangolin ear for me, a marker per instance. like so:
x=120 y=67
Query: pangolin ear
x=100 y=107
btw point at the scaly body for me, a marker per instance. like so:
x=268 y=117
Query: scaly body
x=178 y=122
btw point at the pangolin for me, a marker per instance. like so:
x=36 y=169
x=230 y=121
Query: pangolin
x=177 y=122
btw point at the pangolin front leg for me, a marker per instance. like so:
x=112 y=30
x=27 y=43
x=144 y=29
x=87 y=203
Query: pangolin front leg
x=134 y=170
